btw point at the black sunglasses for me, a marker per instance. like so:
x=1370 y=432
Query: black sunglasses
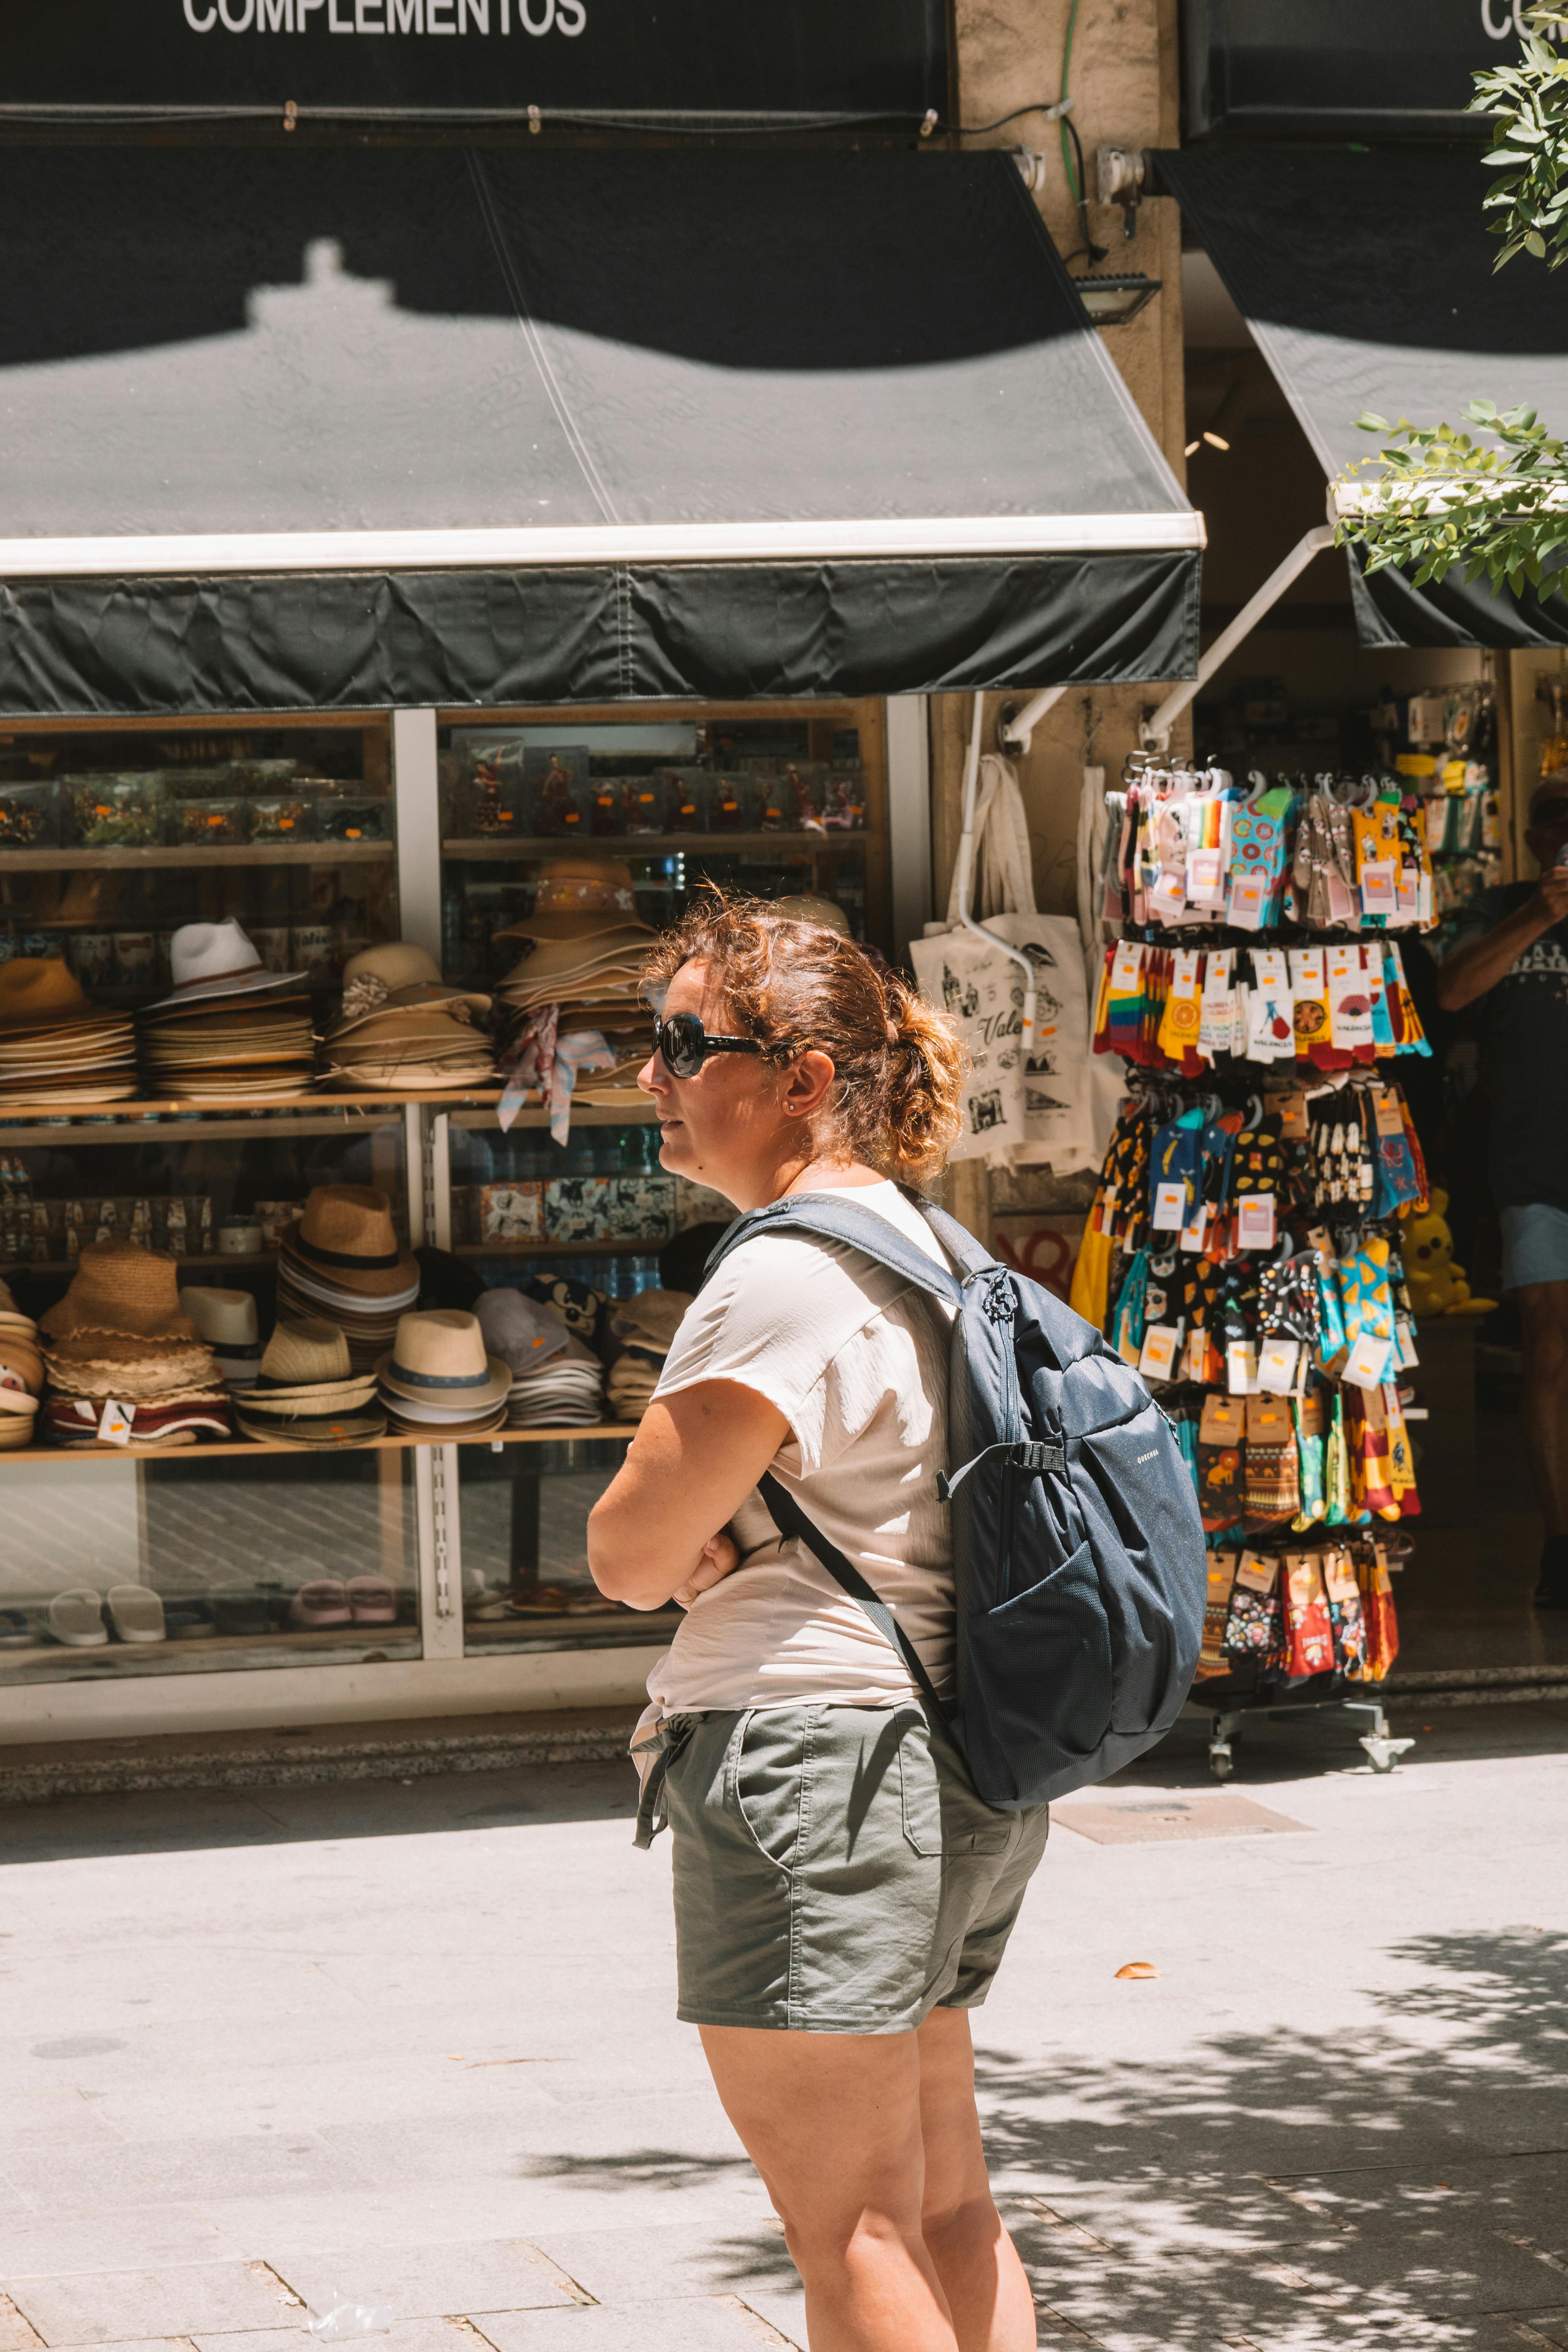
x=684 y=1045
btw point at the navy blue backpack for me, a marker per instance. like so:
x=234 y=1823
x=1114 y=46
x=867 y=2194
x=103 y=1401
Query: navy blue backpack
x=1077 y=1549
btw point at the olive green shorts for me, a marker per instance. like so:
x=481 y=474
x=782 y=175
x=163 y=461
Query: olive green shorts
x=834 y=1873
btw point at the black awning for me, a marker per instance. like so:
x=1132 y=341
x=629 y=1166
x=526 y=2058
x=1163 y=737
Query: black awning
x=1368 y=280
x=323 y=429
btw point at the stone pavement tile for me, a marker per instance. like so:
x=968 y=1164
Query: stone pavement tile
x=1520 y=2197
x=402 y=2335
x=686 y=2326
x=419 y=2281
x=39 y=2247
x=643 y=2265
x=456 y=2210
x=1548 y=2326
x=411 y=2146
x=786 y=2313
x=113 y=2306
x=160 y=2172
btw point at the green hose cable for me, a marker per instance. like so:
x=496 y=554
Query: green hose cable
x=1062 y=129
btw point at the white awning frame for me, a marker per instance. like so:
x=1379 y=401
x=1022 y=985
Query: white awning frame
x=507 y=549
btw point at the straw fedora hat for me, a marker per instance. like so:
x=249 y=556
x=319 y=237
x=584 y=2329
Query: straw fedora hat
x=217 y=960
x=41 y=991
x=120 y=1288
x=347 y=1241
x=578 y=898
x=438 y=1358
x=306 y=1370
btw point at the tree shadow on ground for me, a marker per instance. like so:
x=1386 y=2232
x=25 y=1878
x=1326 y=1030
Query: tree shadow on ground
x=1289 y=2191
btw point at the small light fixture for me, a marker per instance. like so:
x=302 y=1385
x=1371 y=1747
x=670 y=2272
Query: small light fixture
x=1216 y=441
x=1111 y=300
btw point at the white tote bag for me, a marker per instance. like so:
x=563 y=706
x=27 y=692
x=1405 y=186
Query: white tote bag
x=1010 y=1113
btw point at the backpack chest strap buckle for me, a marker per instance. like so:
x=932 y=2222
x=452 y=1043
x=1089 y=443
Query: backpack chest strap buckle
x=1033 y=1455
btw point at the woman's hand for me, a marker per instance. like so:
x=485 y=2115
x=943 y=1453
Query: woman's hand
x=720 y=1553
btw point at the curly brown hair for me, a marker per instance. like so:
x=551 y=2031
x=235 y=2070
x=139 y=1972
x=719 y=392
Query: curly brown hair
x=898 y=1062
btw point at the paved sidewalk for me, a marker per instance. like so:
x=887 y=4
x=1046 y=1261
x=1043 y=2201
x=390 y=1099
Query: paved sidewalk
x=268 y=2053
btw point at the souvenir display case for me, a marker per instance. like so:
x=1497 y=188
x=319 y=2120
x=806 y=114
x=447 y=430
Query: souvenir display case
x=768 y=800
x=143 y=1585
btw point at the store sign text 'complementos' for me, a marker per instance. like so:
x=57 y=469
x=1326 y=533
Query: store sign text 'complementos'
x=428 y=18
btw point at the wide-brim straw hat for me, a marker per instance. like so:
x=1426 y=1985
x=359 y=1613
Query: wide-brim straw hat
x=18 y=1401
x=305 y=1354
x=438 y=1358
x=395 y=963
x=42 y=993
x=324 y=1397
x=408 y=1424
x=358 y=1426
x=650 y=1320
x=119 y=1287
x=346 y=1240
x=435 y=1001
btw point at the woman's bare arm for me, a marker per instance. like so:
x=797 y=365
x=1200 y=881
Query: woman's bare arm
x=696 y=1458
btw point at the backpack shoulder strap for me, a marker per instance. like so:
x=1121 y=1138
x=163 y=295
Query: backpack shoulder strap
x=790 y=1521
x=956 y=1239
x=833 y=1216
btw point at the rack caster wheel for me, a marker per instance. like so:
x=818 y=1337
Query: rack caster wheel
x=1221 y=1763
x=1384 y=1752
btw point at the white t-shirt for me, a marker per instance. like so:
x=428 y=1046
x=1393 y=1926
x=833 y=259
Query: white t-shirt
x=856 y=1360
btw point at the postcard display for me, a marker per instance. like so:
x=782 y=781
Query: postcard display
x=1251 y=1198
x=123 y=1563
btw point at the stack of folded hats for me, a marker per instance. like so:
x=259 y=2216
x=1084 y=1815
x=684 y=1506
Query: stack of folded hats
x=440 y=1382
x=227 y=1321
x=402 y=1026
x=21 y=1374
x=583 y=952
x=646 y=1327
x=55 y=1047
x=341 y=1263
x=555 y=1378
x=119 y=1339
x=230 y=1029
x=308 y=1393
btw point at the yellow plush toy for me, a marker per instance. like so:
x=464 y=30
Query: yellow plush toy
x=1436 y=1286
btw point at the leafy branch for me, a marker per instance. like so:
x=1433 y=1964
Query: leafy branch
x=1446 y=498
x=1493 y=508
x=1532 y=99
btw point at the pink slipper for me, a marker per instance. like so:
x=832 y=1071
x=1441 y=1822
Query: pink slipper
x=321 y=1603
x=374 y=1599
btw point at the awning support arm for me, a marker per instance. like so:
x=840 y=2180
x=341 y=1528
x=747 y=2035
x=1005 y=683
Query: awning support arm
x=963 y=875
x=1154 y=734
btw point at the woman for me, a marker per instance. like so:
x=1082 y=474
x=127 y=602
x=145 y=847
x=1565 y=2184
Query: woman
x=842 y=1897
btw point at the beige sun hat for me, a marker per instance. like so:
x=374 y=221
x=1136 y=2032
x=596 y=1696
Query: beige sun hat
x=119 y=1287
x=439 y=1358
x=346 y=1241
x=225 y=1319
x=578 y=898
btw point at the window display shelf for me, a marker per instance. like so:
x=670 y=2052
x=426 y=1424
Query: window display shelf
x=645 y=1246
x=595 y=1430
x=640 y=1113
x=218 y=852
x=471 y=847
x=234 y=1119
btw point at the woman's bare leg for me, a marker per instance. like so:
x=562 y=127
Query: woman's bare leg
x=869 y=2148
x=832 y=2122
x=982 y=2277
